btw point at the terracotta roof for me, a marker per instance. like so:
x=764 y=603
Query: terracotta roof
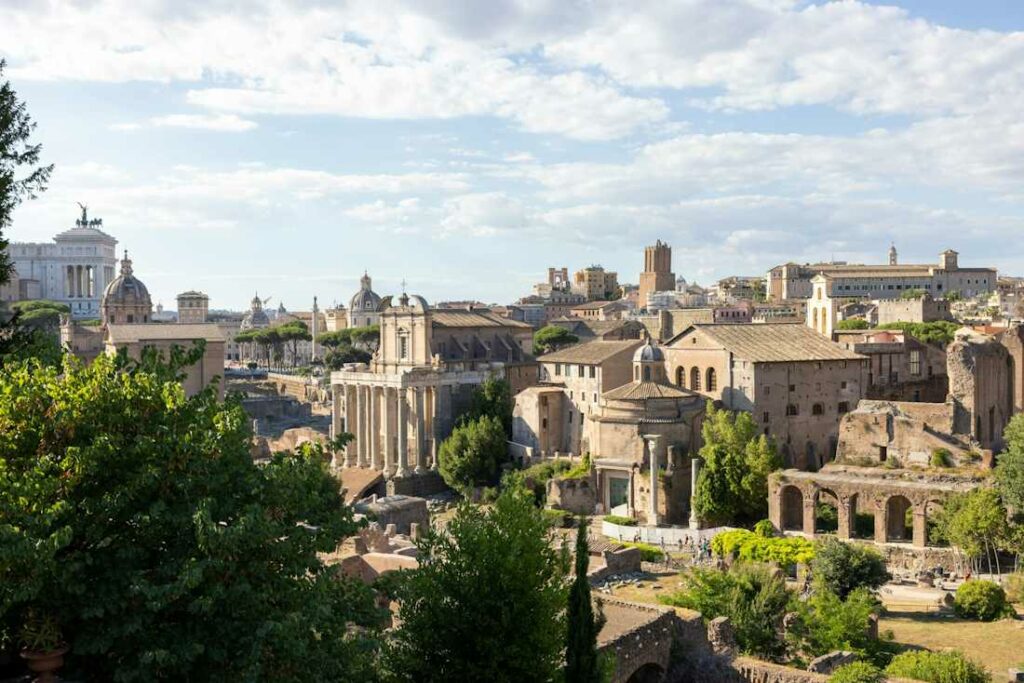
x=142 y=332
x=640 y=390
x=457 y=318
x=775 y=342
x=591 y=353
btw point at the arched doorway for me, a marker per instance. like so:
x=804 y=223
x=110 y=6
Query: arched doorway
x=792 y=504
x=863 y=520
x=826 y=513
x=899 y=526
x=648 y=673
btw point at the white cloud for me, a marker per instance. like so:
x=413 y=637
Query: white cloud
x=483 y=214
x=219 y=122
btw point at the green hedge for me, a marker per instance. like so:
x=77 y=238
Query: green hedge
x=857 y=672
x=981 y=600
x=937 y=667
x=648 y=552
x=620 y=520
x=786 y=551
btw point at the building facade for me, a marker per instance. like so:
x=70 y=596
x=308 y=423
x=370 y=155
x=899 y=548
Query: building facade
x=74 y=269
x=657 y=275
x=595 y=283
x=363 y=307
x=193 y=307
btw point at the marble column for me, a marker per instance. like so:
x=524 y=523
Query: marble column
x=374 y=426
x=361 y=444
x=652 y=449
x=350 y=421
x=335 y=423
x=421 y=451
x=695 y=464
x=432 y=429
x=389 y=450
x=403 y=426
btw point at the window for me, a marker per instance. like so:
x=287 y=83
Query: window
x=817 y=409
x=695 y=379
x=766 y=390
x=544 y=423
x=403 y=347
x=558 y=369
x=593 y=371
x=844 y=407
x=580 y=368
x=842 y=385
x=766 y=417
x=712 y=379
x=792 y=410
x=570 y=416
x=883 y=453
x=792 y=387
x=915 y=362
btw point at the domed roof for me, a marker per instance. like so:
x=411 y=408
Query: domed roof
x=414 y=301
x=365 y=299
x=126 y=289
x=256 y=317
x=648 y=353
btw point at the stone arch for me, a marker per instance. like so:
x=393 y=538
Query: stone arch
x=681 y=377
x=695 y=378
x=896 y=528
x=862 y=524
x=712 y=380
x=791 y=503
x=651 y=672
x=826 y=521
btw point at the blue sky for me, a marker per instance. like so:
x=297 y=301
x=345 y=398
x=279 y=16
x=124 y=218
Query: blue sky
x=466 y=147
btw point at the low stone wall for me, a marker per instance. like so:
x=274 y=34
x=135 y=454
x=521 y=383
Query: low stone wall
x=425 y=484
x=647 y=643
x=757 y=671
x=617 y=561
x=574 y=495
x=674 y=538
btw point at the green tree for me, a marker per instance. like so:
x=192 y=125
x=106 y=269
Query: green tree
x=752 y=595
x=1009 y=472
x=975 y=523
x=471 y=456
x=136 y=517
x=844 y=567
x=582 y=664
x=487 y=602
x=936 y=332
x=551 y=338
x=733 y=482
x=857 y=672
x=337 y=357
x=292 y=333
x=825 y=623
x=981 y=600
x=493 y=398
x=853 y=324
x=937 y=667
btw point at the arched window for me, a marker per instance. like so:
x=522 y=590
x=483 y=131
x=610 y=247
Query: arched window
x=695 y=379
x=681 y=377
x=712 y=378
x=792 y=409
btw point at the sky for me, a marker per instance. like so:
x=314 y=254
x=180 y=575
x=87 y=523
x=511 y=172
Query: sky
x=465 y=146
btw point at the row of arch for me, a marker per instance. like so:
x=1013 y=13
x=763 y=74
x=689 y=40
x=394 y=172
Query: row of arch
x=709 y=377
x=892 y=518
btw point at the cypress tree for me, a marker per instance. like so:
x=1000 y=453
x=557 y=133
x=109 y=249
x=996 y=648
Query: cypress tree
x=581 y=660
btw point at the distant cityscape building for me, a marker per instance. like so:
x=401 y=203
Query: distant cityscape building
x=125 y=299
x=595 y=283
x=363 y=307
x=74 y=269
x=657 y=275
x=193 y=307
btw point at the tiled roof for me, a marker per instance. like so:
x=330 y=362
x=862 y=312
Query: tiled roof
x=125 y=334
x=640 y=390
x=456 y=318
x=590 y=353
x=776 y=342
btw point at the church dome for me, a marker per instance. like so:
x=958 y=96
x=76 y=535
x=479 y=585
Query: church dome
x=126 y=299
x=648 y=353
x=256 y=317
x=365 y=299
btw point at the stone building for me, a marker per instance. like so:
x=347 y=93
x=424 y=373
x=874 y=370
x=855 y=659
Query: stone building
x=595 y=283
x=796 y=383
x=612 y=400
x=403 y=403
x=657 y=275
x=74 y=269
x=193 y=307
x=794 y=281
x=920 y=309
x=363 y=308
x=900 y=367
x=600 y=310
x=125 y=299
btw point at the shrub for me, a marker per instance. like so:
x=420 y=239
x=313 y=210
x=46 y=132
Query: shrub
x=787 y=551
x=648 y=552
x=826 y=623
x=471 y=455
x=620 y=520
x=857 y=672
x=980 y=600
x=765 y=529
x=941 y=457
x=937 y=667
x=752 y=595
x=557 y=518
x=1014 y=586
x=844 y=567
x=853 y=324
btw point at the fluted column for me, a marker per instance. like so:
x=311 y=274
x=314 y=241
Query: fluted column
x=350 y=422
x=389 y=449
x=335 y=423
x=652 y=447
x=421 y=451
x=403 y=446
x=364 y=428
x=432 y=428
x=375 y=459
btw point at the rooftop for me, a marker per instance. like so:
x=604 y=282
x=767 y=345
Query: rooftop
x=141 y=332
x=591 y=353
x=462 y=318
x=774 y=342
x=643 y=390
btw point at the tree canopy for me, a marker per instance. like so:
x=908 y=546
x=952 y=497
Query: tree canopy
x=551 y=338
x=487 y=602
x=136 y=518
x=472 y=454
x=733 y=482
x=844 y=567
x=853 y=324
x=935 y=332
x=1009 y=473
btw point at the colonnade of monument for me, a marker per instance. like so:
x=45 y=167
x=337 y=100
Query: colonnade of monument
x=394 y=428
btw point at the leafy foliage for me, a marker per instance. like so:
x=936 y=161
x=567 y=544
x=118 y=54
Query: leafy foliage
x=853 y=324
x=844 y=567
x=470 y=457
x=534 y=478
x=648 y=552
x=826 y=623
x=786 y=551
x=582 y=663
x=941 y=457
x=487 y=602
x=752 y=595
x=975 y=522
x=733 y=482
x=935 y=332
x=137 y=518
x=551 y=338
x=620 y=520
x=981 y=600
x=1009 y=473
x=937 y=667
x=857 y=672
x=492 y=398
